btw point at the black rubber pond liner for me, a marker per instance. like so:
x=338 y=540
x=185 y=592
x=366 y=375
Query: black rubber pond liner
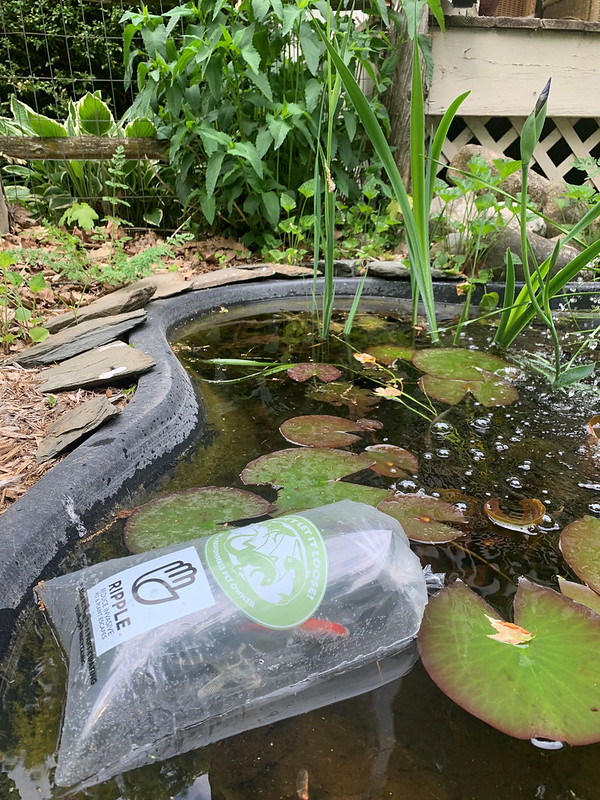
x=139 y=446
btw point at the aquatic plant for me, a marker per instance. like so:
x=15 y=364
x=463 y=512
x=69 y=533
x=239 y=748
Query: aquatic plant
x=541 y=285
x=424 y=160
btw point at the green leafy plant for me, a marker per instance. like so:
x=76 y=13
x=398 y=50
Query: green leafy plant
x=74 y=191
x=542 y=283
x=239 y=96
x=424 y=159
x=16 y=318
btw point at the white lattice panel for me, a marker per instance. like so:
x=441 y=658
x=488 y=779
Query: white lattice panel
x=554 y=154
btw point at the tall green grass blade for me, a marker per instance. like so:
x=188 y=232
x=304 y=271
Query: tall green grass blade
x=355 y=303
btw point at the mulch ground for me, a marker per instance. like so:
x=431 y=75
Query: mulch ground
x=26 y=413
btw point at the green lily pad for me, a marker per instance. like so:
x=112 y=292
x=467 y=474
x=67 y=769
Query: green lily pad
x=388 y=354
x=580 y=594
x=320 y=430
x=547 y=686
x=580 y=546
x=451 y=362
x=324 y=372
x=299 y=467
x=424 y=518
x=392 y=461
x=296 y=499
x=357 y=400
x=189 y=515
x=490 y=390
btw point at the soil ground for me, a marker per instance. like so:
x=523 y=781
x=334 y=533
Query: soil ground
x=26 y=413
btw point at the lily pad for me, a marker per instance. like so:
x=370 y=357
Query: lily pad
x=451 y=362
x=424 y=518
x=320 y=430
x=369 y=425
x=296 y=499
x=324 y=372
x=357 y=400
x=580 y=546
x=489 y=389
x=189 y=515
x=388 y=354
x=531 y=513
x=392 y=461
x=580 y=594
x=546 y=686
x=299 y=467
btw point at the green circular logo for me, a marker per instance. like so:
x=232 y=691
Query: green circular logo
x=274 y=571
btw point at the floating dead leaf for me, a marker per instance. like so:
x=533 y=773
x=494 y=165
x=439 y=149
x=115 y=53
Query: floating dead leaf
x=324 y=372
x=366 y=359
x=531 y=513
x=508 y=632
x=387 y=391
x=392 y=461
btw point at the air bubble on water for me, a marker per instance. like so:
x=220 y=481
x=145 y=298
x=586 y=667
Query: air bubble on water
x=546 y=744
x=594 y=508
x=526 y=465
x=443 y=453
x=514 y=482
x=407 y=486
x=427 y=456
x=441 y=428
x=481 y=424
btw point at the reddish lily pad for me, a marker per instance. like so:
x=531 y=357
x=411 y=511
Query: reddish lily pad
x=546 y=686
x=580 y=594
x=296 y=499
x=320 y=430
x=188 y=515
x=369 y=425
x=392 y=461
x=451 y=362
x=580 y=546
x=490 y=390
x=423 y=518
x=388 y=354
x=531 y=513
x=324 y=372
x=299 y=467
x=357 y=400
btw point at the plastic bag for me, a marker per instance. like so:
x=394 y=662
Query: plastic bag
x=176 y=648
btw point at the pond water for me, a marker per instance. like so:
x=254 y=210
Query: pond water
x=406 y=738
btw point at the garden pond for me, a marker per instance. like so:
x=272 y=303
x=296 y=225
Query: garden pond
x=405 y=738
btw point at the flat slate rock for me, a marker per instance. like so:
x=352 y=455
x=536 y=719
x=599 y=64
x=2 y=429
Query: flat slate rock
x=74 y=425
x=72 y=341
x=99 y=367
x=285 y=270
x=130 y=298
x=222 y=277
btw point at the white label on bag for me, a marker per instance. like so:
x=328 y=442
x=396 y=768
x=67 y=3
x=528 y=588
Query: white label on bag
x=143 y=597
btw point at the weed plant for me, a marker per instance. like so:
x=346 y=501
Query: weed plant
x=243 y=96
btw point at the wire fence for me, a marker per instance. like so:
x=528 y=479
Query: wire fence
x=52 y=54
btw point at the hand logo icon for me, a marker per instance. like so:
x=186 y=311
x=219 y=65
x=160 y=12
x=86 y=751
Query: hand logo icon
x=160 y=585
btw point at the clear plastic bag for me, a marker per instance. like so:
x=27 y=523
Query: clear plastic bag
x=176 y=648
